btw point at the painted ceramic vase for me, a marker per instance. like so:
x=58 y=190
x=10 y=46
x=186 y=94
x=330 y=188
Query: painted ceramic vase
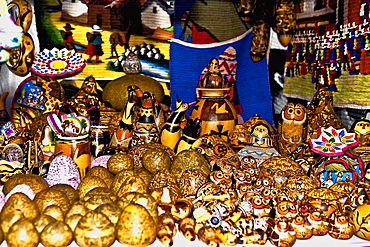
x=216 y=112
x=99 y=137
x=78 y=148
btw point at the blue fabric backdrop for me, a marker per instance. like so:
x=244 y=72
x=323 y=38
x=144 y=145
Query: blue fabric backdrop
x=188 y=60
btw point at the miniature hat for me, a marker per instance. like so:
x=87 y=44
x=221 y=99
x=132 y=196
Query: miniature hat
x=68 y=26
x=96 y=28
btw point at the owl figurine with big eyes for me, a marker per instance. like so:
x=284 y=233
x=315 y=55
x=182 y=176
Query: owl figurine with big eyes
x=362 y=129
x=291 y=131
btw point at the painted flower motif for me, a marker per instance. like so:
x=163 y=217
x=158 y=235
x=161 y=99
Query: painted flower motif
x=57 y=63
x=333 y=142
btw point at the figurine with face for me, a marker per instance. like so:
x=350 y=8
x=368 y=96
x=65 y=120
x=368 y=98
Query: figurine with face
x=282 y=233
x=362 y=129
x=86 y=101
x=302 y=228
x=213 y=77
x=291 y=131
x=340 y=227
x=319 y=222
x=287 y=209
x=260 y=136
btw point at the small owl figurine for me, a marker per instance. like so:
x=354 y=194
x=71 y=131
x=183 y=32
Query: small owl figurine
x=292 y=129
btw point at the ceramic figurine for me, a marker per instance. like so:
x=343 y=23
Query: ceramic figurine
x=261 y=144
x=282 y=234
x=190 y=135
x=125 y=128
x=340 y=227
x=145 y=128
x=319 y=222
x=287 y=209
x=171 y=131
x=285 y=18
x=302 y=228
x=321 y=113
x=217 y=113
x=86 y=101
x=187 y=228
x=291 y=130
x=213 y=77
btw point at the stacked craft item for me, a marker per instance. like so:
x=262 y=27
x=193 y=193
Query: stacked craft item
x=173 y=172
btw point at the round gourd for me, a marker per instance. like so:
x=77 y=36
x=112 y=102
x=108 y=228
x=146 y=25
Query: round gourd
x=37 y=183
x=120 y=161
x=115 y=92
x=41 y=221
x=56 y=234
x=89 y=183
x=188 y=159
x=136 y=227
x=94 y=229
x=22 y=233
x=50 y=197
x=68 y=190
x=54 y=211
x=132 y=184
x=22 y=203
x=119 y=178
x=111 y=210
x=156 y=159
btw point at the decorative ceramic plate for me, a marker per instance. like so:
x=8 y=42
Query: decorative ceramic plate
x=57 y=63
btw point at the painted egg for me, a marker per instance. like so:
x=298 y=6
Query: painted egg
x=36 y=183
x=63 y=170
x=55 y=123
x=100 y=161
x=191 y=180
x=119 y=162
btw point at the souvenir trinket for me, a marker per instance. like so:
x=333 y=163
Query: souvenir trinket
x=99 y=138
x=217 y=113
x=291 y=130
x=359 y=218
x=323 y=199
x=340 y=227
x=63 y=170
x=282 y=234
x=302 y=228
x=285 y=20
x=280 y=168
x=260 y=141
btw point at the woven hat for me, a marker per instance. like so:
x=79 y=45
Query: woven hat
x=96 y=28
x=68 y=26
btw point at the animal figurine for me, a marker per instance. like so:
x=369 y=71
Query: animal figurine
x=291 y=130
x=145 y=128
x=302 y=228
x=187 y=228
x=320 y=225
x=340 y=227
x=282 y=234
x=171 y=131
x=125 y=127
x=189 y=136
